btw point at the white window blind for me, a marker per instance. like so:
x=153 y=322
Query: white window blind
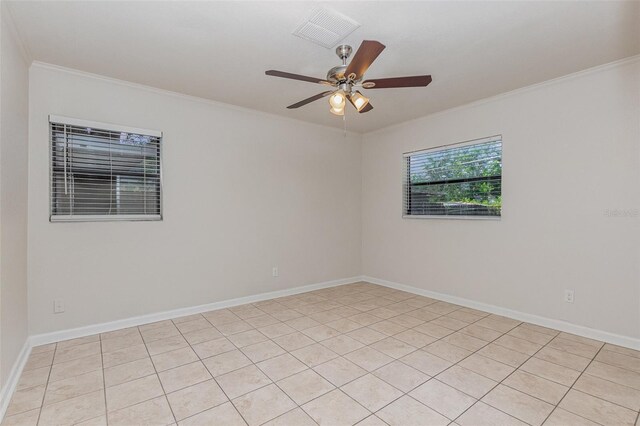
x=455 y=180
x=104 y=172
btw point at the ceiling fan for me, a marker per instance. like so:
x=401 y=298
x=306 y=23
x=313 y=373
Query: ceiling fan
x=348 y=78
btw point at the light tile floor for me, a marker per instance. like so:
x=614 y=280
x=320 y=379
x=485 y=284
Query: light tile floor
x=355 y=354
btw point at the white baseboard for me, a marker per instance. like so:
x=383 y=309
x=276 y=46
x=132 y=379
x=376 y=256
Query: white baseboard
x=591 y=333
x=42 y=339
x=14 y=376
x=57 y=336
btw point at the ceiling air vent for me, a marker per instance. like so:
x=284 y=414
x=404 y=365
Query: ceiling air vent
x=326 y=27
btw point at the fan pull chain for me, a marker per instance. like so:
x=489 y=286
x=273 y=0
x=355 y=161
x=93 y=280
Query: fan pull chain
x=344 y=120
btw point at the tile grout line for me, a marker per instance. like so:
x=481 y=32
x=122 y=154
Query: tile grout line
x=308 y=368
x=556 y=336
x=610 y=381
x=104 y=384
x=598 y=397
x=227 y=339
x=510 y=374
x=338 y=356
x=569 y=388
x=55 y=348
x=422 y=348
x=472 y=353
x=200 y=358
x=319 y=342
x=132 y=380
x=256 y=366
x=434 y=377
x=440 y=315
x=386 y=336
x=287 y=412
x=212 y=376
x=237 y=348
x=584 y=372
x=164 y=392
x=390 y=362
x=572 y=387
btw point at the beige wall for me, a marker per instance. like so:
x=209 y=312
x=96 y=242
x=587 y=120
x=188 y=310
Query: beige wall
x=13 y=197
x=243 y=191
x=571 y=155
x=571 y=152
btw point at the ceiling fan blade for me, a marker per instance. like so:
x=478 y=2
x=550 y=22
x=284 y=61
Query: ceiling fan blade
x=367 y=108
x=386 y=83
x=291 y=76
x=364 y=57
x=309 y=100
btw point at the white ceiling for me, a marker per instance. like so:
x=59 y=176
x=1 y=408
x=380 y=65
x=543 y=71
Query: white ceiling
x=220 y=50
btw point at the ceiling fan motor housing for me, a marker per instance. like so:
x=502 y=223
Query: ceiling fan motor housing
x=336 y=74
x=343 y=51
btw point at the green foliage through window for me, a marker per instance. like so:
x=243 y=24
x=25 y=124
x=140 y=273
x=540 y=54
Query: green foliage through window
x=461 y=180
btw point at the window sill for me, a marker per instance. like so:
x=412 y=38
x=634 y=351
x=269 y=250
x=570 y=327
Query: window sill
x=494 y=218
x=101 y=218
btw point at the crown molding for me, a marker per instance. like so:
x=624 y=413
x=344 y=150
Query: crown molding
x=191 y=98
x=575 y=75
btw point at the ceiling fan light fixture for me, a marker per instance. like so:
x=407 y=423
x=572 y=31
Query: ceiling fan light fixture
x=337 y=111
x=337 y=100
x=358 y=100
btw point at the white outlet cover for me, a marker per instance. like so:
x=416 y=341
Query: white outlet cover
x=569 y=296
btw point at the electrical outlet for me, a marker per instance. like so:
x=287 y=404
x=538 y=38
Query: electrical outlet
x=568 y=296
x=58 y=306
x=274 y=271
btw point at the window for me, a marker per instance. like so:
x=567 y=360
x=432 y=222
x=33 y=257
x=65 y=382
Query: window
x=104 y=172
x=457 y=180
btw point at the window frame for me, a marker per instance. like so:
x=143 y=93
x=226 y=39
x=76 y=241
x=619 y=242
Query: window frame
x=56 y=218
x=478 y=141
